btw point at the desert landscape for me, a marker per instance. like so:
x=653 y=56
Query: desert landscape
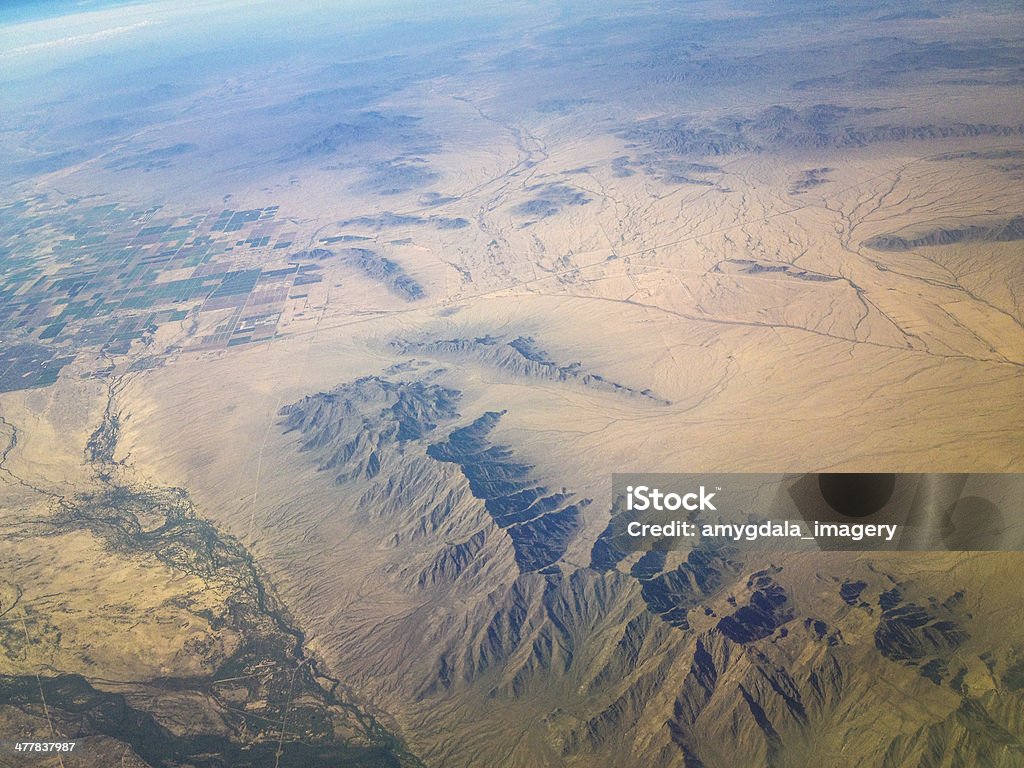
x=325 y=329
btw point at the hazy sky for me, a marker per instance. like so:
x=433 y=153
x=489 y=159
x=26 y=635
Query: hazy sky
x=36 y=36
x=25 y=10
x=117 y=76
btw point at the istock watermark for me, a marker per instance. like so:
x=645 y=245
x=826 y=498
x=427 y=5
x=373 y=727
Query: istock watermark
x=640 y=498
x=815 y=511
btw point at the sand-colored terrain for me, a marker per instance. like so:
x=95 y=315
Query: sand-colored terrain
x=366 y=444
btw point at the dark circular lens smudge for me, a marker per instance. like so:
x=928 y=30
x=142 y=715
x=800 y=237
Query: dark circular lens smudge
x=857 y=494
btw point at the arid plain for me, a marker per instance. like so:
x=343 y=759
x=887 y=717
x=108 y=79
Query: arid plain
x=366 y=444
